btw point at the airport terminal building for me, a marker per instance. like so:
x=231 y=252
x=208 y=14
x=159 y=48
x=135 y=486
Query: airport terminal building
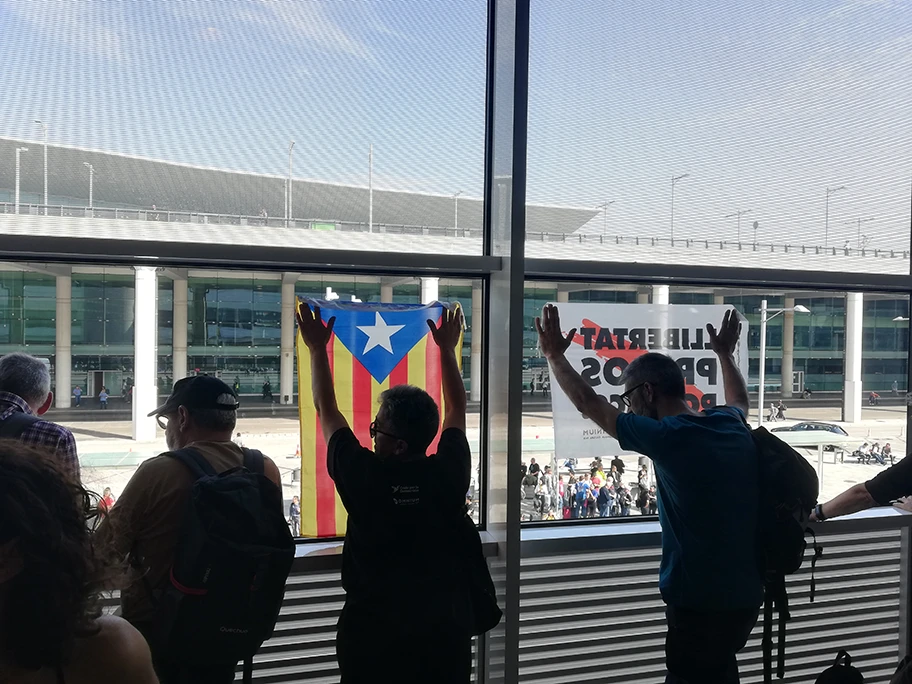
x=98 y=323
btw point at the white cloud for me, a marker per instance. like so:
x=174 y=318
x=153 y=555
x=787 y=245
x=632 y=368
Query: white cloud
x=94 y=28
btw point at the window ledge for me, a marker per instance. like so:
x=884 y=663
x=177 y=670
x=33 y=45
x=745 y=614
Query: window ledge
x=326 y=556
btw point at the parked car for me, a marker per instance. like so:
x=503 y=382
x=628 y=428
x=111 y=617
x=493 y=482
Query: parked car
x=814 y=427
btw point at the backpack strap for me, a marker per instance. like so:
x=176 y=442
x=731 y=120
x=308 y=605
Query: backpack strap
x=254 y=461
x=195 y=462
x=767 y=637
x=784 y=616
x=818 y=552
x=16 y=423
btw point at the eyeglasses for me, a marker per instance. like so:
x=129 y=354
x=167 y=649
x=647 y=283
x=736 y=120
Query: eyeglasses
x=374 y=431
x=162 y=422
x=625 y=397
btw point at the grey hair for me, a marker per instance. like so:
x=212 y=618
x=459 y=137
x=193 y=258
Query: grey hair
x=660 y=371
x=25 y=376
x=217 y=420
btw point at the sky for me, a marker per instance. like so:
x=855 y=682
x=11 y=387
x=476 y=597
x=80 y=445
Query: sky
x=764 y=105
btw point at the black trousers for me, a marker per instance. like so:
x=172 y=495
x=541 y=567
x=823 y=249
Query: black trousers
x=700 y=646
x=376 y=645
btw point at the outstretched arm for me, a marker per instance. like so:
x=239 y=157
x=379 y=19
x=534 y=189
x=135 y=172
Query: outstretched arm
x=454 y=395
x=553 y=345
x=316 y=335
x=724 y=341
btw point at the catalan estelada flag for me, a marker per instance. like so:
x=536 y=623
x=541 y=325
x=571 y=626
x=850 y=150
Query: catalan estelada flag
x=373 y=347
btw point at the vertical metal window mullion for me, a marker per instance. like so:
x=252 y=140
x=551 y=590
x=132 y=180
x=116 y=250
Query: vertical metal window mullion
x=504 y=237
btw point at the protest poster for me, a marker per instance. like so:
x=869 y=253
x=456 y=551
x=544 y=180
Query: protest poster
x=610 y=336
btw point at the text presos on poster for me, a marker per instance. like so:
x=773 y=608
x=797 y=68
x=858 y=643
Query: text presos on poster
x=609 y=336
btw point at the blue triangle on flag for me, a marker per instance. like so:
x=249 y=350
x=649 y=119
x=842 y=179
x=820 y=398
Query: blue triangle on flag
x=379 y=335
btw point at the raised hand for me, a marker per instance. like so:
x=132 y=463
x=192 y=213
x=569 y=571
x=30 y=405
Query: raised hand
x=314 y=331
x=725 y=340
x=447 y=335
x=551 y=340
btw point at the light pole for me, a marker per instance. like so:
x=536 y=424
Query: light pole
x=289 y=214
x=826 y=225
x=604 y=207
x=764 y=318
x=19 y=151
x=44 y=130
x=674 y=181
x=370 y=189
x=858 y=223
x=456 y=209
x=738 y=214
x=91 y=180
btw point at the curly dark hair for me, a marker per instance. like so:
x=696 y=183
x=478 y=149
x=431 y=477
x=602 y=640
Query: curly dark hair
x=54 y=599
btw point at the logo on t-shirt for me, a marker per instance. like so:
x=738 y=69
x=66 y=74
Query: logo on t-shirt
x=406 y=495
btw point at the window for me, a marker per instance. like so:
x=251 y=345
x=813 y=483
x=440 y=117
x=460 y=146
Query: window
x=807 y=372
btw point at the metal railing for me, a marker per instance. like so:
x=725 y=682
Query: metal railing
x=316 y=224
x=590 y=603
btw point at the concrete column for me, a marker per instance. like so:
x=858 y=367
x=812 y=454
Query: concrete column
x=287 y=358
x=563 y=295
x=660 y=294
x=145 y=353
x=179 y=329
x=851 y=409
x=719 y=299
x=430 y=290
x=788 y=347
x=386 y=293
x=642 y=296
x=475 y=352
x=63 y=354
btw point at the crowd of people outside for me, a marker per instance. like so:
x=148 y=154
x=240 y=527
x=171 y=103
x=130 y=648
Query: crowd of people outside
x=595 y=493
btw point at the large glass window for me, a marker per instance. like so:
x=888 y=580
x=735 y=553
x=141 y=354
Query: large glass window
x=385 y=158
x=805 y=374
x=761 y=135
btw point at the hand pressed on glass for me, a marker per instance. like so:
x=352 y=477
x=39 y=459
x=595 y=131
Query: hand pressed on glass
x=725 y=340
x=447 y=335
x=551 y=340
x=314 y=331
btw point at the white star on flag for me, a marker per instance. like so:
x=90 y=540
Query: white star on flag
x=379 y=334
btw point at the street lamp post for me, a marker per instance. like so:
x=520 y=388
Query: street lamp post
x=764 y=318
x=19 y=151
x=738 y=214
x=91 y=180
x=44 y=130
x=604 y=207
x=370 y=189
x=858 y=223
x=826 y=225
x=456 y=209
x=289 y=215
x=674 y=181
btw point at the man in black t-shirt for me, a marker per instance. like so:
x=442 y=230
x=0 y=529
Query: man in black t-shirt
x=405 y=616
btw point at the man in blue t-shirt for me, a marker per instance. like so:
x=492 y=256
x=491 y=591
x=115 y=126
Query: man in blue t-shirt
x=709 y=578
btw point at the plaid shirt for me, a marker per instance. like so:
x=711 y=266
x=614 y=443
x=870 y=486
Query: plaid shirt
x=44 y=434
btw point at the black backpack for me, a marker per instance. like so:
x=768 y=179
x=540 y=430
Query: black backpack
x=788 y=492
x=227 y=579
x=841 y=671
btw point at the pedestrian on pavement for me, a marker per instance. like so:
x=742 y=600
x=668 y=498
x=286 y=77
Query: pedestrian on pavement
x=77 y=395
x=103 y=398
x=709 y=577
x=294 y=516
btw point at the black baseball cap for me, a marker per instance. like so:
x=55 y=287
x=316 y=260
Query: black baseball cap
x=198 y=392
